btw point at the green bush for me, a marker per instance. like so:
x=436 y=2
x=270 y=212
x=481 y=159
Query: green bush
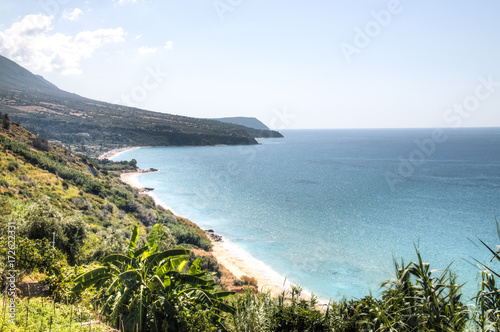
x=206 y=264
x=297 y=315
x=33 y=255
x=44 y=221
x=13 y=166
x=186 y=235
x=41 y=144
x=298 y=318
x=4 y=183
x=264 y=313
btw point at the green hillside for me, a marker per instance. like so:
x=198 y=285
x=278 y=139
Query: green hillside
x=15 y=77
x=50 y=197
x=33 y=170
x=55 y=114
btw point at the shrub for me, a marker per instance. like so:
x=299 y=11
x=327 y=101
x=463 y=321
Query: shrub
x=298 y=318
x=81 y=203
x=263 y=312
x=102 y=244
x=146 y=216
x=29 y=181
x=207 y=264
x=246 y=281
x=41 y=144
x=416 y=300
x=43 y=221
x=34 y=255
x=61 y=283
x=186 y=235
x=75 y=231
x=132 y=206
x=6 y=121
x=13 y=166
x=4 y=183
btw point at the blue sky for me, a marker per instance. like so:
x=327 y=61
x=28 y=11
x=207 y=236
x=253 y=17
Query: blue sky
x=292 y=64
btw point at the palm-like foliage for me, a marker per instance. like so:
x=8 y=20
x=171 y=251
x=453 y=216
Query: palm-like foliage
x=488 y=304
x=488 y=297
x=438 y=299
x=416 y=300
x=149 y=290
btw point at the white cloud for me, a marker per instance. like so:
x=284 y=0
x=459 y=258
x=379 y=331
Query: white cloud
x=31 y=43
x=149 y=50
x=168 y=45
x=72 y=16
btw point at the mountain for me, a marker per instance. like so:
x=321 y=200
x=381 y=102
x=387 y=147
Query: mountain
x=245 y=121
x=15 y=78
x=55 y=114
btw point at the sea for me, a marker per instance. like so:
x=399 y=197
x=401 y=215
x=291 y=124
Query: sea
x=332 y=210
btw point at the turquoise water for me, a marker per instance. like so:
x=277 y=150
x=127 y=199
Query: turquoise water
x=330 y=209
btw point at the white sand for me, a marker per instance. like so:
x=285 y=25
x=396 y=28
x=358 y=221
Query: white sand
x=116 y=152
x=241 y=263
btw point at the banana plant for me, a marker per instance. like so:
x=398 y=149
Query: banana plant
x=149 y=290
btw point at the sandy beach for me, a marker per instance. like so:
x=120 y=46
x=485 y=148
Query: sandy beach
x=232 y=257
x=114 y=153
x=241 y=263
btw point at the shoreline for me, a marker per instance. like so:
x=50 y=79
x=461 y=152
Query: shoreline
x=132 y=179
x=116 y=152
x=233 y=258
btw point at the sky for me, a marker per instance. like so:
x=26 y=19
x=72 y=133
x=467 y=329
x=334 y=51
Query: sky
x=291 y=63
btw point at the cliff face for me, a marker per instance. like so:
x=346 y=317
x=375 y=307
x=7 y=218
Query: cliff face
x=55 y=114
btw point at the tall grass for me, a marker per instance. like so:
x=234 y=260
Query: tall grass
x=416 y=299
x=43 y=314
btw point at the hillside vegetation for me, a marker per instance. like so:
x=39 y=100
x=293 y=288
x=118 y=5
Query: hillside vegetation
x=57 y=115
x=50 y=197
x=47 y=189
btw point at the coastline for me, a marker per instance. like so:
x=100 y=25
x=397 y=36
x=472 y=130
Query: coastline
x=241 y=263
x=115 y=152
x=132 y=179
x=232 y=257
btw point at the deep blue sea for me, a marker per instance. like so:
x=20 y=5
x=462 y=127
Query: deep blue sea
x=332 y=209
